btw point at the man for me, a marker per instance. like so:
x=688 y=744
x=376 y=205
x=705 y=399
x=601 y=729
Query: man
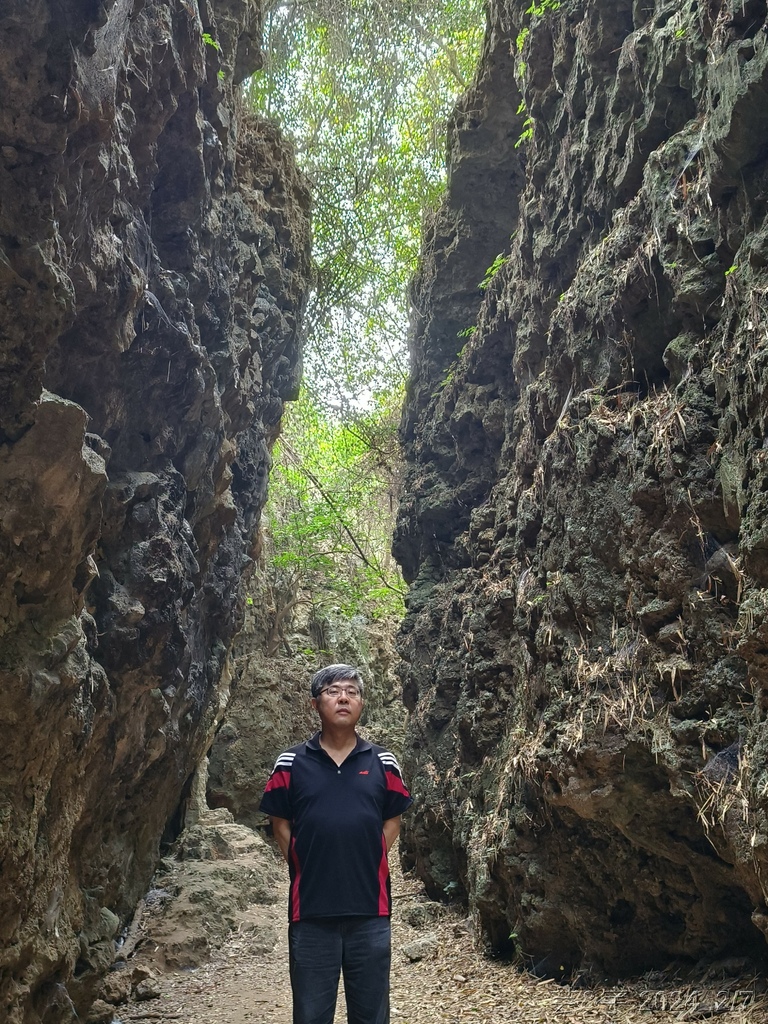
x=335 y=803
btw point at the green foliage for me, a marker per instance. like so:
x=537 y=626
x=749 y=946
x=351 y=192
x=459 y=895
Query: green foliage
x=328 y=521
x=731 y=270
x=364 y=88
x=450 y=374
x=447 y=379
x=538 y=10
x=210 y=41
x=497 y=264
x=527 y=133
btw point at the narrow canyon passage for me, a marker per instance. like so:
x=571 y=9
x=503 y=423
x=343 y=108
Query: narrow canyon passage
x=559 y=503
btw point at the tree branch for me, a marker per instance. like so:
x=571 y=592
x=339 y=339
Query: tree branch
x=297 y=461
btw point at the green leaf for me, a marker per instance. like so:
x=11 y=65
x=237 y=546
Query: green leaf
x=497 y=264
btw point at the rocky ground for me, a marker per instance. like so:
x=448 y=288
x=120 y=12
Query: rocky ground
x=186 y=969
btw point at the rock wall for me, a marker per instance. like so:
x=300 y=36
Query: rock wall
x=586 y=644
x=153 y=266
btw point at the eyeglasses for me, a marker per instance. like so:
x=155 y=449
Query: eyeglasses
x=336 y=691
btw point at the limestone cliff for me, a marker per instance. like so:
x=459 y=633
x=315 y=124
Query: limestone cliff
x=585 y=650
x=153 y=266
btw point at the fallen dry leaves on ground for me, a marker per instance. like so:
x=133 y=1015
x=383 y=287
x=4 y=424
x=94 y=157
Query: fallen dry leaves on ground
x=455 y=983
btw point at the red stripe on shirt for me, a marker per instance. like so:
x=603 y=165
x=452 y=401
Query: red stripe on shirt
x=278 y=780
x=396 y=784
x=295 y=908
x=383 y=876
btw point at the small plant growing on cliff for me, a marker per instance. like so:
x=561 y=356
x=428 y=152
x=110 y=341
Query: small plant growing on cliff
x=536 y=10
x=494 y=268
x=527 y=133
x=467 y=332
x=731 y=270
x=541 y=8
x=447 y=379
x=215 y=45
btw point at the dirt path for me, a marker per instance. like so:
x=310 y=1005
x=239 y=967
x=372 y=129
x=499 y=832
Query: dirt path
x=454 y=983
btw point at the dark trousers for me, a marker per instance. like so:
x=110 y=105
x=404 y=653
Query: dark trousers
x=320 y=949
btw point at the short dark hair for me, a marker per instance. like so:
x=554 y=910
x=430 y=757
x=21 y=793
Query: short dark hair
x=334 y=674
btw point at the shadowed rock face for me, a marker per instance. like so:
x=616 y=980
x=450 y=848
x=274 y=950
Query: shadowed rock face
x=585 y=520
x=153 y=269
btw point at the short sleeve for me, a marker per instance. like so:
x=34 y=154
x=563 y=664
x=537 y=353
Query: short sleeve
x=276 y=800
x=397 y=798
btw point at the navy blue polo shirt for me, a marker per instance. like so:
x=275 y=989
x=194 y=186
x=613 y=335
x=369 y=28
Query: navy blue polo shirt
x=337 y=856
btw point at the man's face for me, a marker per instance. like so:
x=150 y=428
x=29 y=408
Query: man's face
x=338 y=705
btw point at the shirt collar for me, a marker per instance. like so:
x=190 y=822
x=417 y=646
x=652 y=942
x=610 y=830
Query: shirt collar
x=314 y=744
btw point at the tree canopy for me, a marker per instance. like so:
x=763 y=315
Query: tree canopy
x=363 y=88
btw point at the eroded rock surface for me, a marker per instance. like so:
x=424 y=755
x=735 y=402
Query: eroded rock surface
x=222 y=878
x=153 y=267
x=585 y=520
